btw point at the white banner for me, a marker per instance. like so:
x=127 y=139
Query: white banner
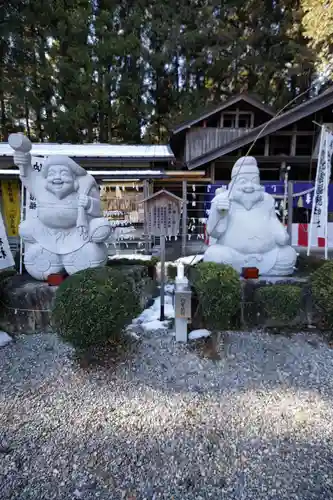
x=319 y=215
x=6 y=256
x=30 y=203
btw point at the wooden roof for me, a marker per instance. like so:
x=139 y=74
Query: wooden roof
x=249 y=98
x=166 y=193
x=276 y=123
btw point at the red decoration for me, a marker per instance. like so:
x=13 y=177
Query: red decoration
x=250 y=273
x=56 y=279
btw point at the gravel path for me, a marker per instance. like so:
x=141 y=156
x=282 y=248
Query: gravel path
x=168 y=423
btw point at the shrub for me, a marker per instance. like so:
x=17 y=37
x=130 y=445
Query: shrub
x=171 y=272
x=219 y=291
x=281 y=303
x=321 y=282
x=149 y=264
x=92 y=307
x=309 y=263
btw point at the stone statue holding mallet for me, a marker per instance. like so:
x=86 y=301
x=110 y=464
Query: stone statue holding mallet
x=69 y=233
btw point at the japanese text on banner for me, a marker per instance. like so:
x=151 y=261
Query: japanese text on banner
x=6 y=257
x=31 y=205
x=323 y=176
x=11 y=206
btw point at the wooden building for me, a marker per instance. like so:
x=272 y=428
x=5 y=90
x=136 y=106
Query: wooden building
x=215 y=139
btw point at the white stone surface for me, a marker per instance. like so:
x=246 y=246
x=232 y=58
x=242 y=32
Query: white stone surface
x=69 y=233
x=199 y=334
x=246 y=228
x=4 y=339
x=190 y=259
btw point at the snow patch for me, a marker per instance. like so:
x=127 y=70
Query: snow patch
x=149 y=319
x=155 y=325
x=4 y=339
x=133 y=256
x=199 y=334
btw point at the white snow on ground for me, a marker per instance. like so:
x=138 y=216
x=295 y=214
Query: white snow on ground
x=190 y=259
x=199 y=334
x=4 y=339
x=132 y=256
x=149 y=319
x=155 y=325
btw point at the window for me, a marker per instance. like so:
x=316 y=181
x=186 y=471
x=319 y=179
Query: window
x=237 y=119
x=228 y=120
x=244 y=120
x=279 y=145
x=304 y=145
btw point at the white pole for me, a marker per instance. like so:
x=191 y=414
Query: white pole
x=285 y=195
x=23 y=201
x=327 y=169
x=315 y=192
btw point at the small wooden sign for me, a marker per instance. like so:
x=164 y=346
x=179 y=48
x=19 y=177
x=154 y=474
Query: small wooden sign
x=163 y=213
x=183 y=304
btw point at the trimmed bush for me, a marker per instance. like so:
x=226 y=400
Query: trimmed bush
x=218 y=289
x=321 y=282
x=149 y=264
x=307 y=264
x=171 y=272
x=92 y=307
x=280 y=303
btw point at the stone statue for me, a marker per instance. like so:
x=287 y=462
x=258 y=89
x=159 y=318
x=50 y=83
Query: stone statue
x=245 y=226
x=69 y=233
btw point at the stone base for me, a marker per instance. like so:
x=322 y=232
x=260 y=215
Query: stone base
x=27 y=305
x=252 y=315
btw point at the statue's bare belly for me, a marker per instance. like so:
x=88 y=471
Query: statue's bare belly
x=248 y=232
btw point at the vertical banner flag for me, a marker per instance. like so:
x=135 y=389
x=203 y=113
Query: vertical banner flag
x=319 y=215
x=11 y=206
x=6 y=256
x=30 y=203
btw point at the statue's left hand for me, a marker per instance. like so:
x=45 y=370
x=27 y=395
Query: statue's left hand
x=282 y=237
x=83 y=201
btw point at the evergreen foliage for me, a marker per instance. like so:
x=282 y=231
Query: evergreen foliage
x=125 y=71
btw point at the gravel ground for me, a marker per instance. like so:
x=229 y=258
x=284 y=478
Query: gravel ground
x=168 y=423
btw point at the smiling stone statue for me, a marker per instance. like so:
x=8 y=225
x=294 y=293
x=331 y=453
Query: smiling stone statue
x=247 y=230
x=69 y=232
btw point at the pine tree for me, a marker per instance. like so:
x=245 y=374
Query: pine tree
x=70 y=53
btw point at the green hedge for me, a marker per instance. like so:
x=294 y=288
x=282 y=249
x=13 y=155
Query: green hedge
x=280 y=303
x=218 y=289
x=92 y=307
x=321 y=282
x=149 y=264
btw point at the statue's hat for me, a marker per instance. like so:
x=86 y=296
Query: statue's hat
x=63 y=160
x=245 y=165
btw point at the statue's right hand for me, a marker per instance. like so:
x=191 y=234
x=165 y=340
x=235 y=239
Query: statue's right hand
x=223 y=204
x=22 y=159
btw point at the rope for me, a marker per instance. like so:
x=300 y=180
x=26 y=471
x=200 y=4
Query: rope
x=16 y=309
x=315 y=83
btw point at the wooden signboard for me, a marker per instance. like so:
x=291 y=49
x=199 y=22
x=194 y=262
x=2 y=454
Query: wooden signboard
x=183 y=304
x=163 y=211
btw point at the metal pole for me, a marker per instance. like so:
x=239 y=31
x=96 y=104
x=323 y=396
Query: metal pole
x=184 y=218
x=162 y=239
x=290 y=209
